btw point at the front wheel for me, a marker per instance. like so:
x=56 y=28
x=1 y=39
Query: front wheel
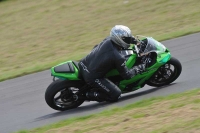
x=60 y=95
x=166 y=74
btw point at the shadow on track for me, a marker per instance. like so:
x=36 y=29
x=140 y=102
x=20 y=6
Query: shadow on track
x=95 y=106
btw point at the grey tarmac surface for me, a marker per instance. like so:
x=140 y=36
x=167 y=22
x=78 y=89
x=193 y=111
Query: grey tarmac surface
x=22 y=104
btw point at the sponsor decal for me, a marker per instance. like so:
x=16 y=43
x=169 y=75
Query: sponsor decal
x=84 y=67
x=100 y=84
x=123 y=64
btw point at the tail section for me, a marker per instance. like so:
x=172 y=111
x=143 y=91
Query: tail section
x=67 y=70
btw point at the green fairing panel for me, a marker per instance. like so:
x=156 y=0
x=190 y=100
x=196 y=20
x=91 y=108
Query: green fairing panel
x=161 y=59
x=70 y=76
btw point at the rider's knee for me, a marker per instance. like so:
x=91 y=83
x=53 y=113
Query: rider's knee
x=115 y=95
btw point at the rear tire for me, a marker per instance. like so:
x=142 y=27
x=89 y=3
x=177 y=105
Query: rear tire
x=63 y=88
x=166 y=74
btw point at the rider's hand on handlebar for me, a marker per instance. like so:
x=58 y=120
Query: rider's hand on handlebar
x=139 y=69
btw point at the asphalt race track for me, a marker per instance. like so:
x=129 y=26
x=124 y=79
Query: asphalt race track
x=22 y=104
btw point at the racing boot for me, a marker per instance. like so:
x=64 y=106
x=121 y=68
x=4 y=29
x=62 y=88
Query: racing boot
x=96 y=96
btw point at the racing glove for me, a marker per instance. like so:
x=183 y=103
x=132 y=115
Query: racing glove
x=139 y=69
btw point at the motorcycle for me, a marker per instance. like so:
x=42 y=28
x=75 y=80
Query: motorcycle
x=69 y=89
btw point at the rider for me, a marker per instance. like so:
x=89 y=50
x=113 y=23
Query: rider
x=105 y=57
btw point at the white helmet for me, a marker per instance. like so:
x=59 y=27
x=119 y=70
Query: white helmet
x=121 y=35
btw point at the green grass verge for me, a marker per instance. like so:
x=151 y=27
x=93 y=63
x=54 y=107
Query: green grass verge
x=155 y=115
x=36 y=35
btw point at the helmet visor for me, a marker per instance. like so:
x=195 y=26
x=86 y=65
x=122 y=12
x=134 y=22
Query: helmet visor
x=127 y=39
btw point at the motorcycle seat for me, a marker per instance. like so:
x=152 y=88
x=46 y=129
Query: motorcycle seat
x=65 y=68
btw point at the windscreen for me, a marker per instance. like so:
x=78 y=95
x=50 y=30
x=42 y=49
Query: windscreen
x=154 y=46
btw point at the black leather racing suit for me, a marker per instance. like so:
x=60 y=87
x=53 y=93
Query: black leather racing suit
x=103 y=58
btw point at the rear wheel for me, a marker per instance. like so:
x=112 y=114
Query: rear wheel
x=60 y=95
x=166 y=74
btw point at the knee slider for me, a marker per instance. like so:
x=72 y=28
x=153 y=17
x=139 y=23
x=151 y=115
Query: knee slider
x=115 y=94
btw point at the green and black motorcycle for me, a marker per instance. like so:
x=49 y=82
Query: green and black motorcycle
x=69 y=89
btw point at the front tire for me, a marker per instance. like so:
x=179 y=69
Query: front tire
x=59 y=95
x=166 y=74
